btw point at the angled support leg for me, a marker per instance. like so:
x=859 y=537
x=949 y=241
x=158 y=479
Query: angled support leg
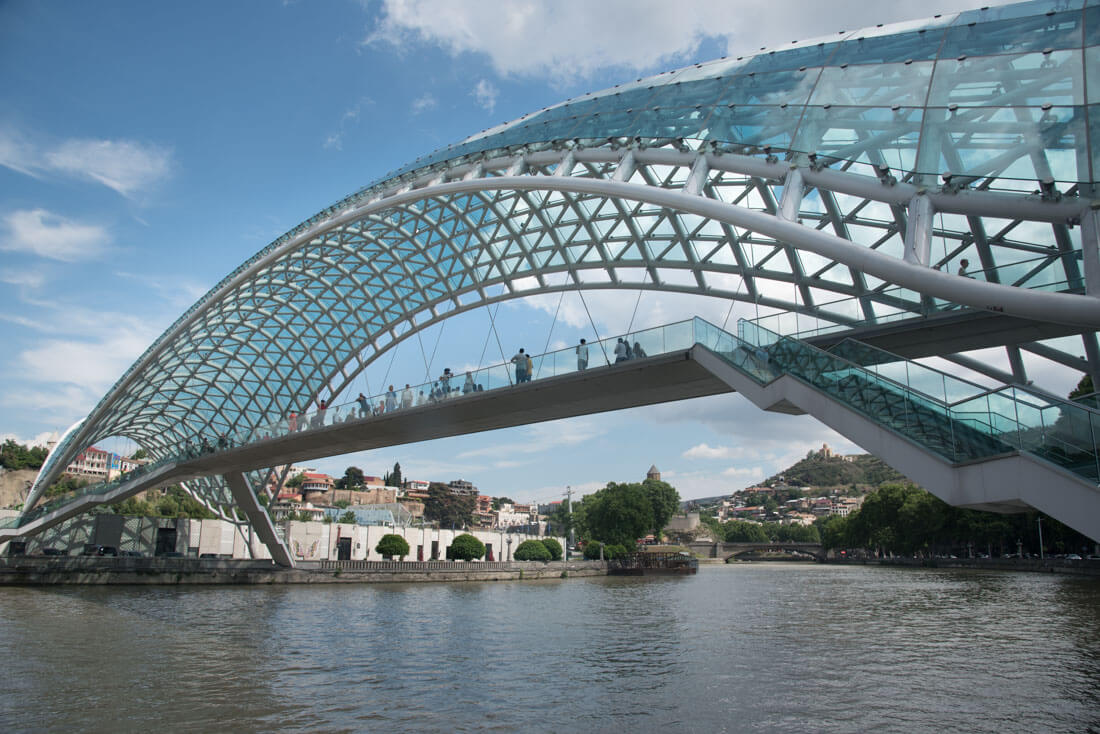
x=258 y=518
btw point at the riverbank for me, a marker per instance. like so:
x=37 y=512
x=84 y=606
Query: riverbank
x=1047 y=565
x=94 y=570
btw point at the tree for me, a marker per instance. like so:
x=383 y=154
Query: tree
x=531 y=550
x=295 y=481
x=665 y=501
x=342 y=504
x=447 y=508
x=393 y=478
x=554 y=547
x=619 y=513
x=743 y=531
x=348 y=518
x=498 y=501
x=17 y=456
x=614 y=551
x=592 y=550
x=353 y=477
x=1084 y=387
x=465 y=548
x=392 y=545
x=140 y=454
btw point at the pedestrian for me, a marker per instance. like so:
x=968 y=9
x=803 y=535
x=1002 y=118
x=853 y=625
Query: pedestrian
x=963 y=265
x=519 y=359
x=468 y=386
x=292 y=422
x=629 y=351
x=391 y=400
x=407 y=397
x=530 y=368
x=445 y=383
x=322 y=406
x=364 y=406
x=420 y=399
x=639 y=353
x=582 y=356
x=620 y=351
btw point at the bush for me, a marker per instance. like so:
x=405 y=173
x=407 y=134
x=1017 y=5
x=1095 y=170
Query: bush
x=531 y=550
x=392 y=545
x=614 y=551
x=592 y=550
x=465 y=548
x=554 y=547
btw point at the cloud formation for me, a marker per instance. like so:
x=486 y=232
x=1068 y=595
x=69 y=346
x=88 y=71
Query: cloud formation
x=567 y=40
x=486 y=95
x=125 y=166
x=43 y=233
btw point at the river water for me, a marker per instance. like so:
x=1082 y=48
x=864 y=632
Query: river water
x=762 y=647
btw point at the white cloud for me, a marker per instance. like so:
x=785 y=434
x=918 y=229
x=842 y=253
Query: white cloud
x=705 y=451
x=40 y=440
x=423 y=103
x=486 y=94
x=541 y=437
x=575 y=39
x=45 y=234
x=128 y=167
x=23 y=277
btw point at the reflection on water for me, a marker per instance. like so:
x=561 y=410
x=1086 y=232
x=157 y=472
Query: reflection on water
x=764 y=647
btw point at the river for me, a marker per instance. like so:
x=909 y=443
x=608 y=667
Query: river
x=752 y=647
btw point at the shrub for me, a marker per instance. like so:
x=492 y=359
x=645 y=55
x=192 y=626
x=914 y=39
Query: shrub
x=592 y=550
x=554 y=547
x=614 y=551
x=465 y=548
x=392 y=545
x=531 y=550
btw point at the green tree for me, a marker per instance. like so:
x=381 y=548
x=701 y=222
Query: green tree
x=743 y=531
x=348 y=518
x=465 y=548
x=614 y=551
x=554 y=547
x=834 y=532
x=393 y=478
x=17 y=456
x=531 y=550
x=619 y=513
x=1084 y=387
x=499 y=501
x=447 y=508
x=295 y=481
x=664 y=501
x=391 y=545
x=140 y=454
x=352 y=479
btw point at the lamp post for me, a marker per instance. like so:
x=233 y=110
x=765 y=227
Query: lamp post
x=509 y=547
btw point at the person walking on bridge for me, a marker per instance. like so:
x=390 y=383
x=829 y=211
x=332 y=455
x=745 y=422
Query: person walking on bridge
x=621 y=353
x=519 y=359
x=391 y=400
x=364 y=406
x=582 y=356
x=407 y=397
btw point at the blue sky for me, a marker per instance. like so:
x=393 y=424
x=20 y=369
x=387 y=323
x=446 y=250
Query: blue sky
x=146 y=149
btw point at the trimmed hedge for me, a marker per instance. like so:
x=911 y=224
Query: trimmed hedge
x=531 y=550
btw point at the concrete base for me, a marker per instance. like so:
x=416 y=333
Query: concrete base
x=26 y=571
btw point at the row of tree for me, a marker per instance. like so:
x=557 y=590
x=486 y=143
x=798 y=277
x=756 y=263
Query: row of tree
x=620 y=513
x=17 y=456
x=903 y=519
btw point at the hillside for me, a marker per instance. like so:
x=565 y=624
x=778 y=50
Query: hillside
x=14 y=484
x=818 y=470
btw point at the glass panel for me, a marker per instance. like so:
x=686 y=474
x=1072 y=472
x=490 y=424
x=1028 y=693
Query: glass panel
x=790 y=87
x=1028 y=79
x=1013 y=33
x=1092 y=26
x=868 y=86
x=785 y=59
x=1092 y=63
x=847 y=132
x=916 y=45
x=754 y=125
x=1001 y=141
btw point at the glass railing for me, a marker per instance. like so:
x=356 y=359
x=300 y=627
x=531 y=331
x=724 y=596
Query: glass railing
x=899 y=303
x=954 y=417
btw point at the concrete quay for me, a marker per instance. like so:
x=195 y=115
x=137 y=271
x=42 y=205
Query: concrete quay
x=95 y=570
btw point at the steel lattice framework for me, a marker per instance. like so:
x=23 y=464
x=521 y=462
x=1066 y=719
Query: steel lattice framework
x=841 y=178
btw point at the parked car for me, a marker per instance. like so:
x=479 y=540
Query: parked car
x=1072 y=557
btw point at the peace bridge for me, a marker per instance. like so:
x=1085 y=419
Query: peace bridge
x=885 y=195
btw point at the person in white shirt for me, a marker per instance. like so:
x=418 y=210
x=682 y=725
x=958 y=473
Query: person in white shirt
x=582 y=356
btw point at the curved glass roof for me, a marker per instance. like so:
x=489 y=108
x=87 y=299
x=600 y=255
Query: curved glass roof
x=999 y=92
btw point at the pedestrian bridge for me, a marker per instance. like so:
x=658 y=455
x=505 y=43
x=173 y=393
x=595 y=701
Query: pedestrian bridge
x=883 y=195
x=1003 y=449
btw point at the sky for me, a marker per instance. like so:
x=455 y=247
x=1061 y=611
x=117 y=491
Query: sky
x=147 y=149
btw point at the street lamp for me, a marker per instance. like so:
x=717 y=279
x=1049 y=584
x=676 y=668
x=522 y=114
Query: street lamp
x=509 y=547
